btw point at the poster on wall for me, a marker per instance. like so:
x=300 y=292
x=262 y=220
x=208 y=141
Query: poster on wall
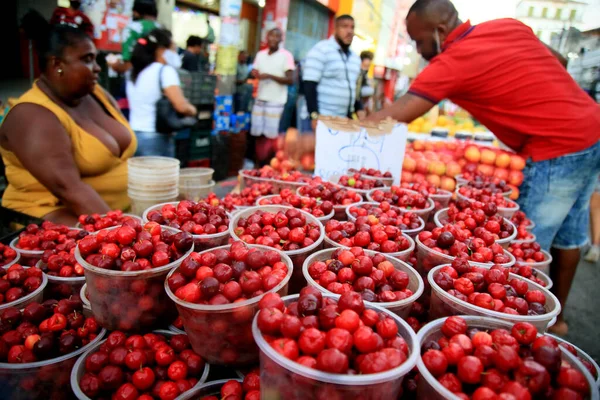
x=110 y=17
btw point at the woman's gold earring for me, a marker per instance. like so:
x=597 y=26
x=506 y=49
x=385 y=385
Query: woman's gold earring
x=60 y=71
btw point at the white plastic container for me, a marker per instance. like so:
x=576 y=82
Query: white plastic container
x=195 y=176
x=42 y=380
x=125 y=216
x=335 y=179
x=386 y=181
x=23 y=253
x=267 y=199
x=246 y=180
x=201 y=242
x=153 y=165
x=441 y=198
x=36 y=296
x=441 y=217
x=212 y=388
x=542 y=266
x=119 y=299
x=401 y=308
x=212 y=329
x=195 y=193
x=87 y=308
x=59 y=287
x=581 y=354
x=444 y=304
x=339 y=209
x=13 y=262
x=403 y=255
x=141 y=203
x=79 y=369
x=297 y=256
x=508 y=212
x=423 y=213
x=281 y=378
x=279 y=185
x=410 y=232
x=525 y=241
x=428 y=386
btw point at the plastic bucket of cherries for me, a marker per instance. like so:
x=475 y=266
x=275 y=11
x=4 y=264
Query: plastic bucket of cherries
x=368 y=208
x=383 y=280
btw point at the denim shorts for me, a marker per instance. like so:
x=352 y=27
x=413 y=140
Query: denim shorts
x=155 y=144
x=555 y=194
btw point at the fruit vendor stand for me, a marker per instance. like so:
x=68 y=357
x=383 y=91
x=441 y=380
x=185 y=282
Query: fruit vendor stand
x=419 y=282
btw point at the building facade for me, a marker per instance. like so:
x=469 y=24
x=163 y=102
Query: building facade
x=549 y=19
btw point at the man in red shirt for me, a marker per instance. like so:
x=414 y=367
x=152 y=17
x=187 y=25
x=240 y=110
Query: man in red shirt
x=516 y=86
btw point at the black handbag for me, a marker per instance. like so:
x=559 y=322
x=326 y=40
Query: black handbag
x=167 y=119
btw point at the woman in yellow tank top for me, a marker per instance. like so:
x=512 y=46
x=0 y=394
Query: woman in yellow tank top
x=65 y=144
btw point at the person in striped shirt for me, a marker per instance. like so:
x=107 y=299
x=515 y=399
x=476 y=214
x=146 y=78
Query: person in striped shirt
x=330 y=74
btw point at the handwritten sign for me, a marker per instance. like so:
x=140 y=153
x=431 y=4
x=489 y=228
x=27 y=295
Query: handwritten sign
x=344 y=144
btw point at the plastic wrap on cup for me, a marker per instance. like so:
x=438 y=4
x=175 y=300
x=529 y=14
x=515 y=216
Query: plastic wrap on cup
x=297 y=256
x=78 y=369
x=201 y=242
x=283 y=379
x=59 y=287
x=222 y=334
x=410 y=232
x=403 y=255
x=543 y=266
x=212 y=388
x=266 y=201
x=42 y=380
x=431 y=389
x=247 y=180
x=130 y=300
x=445 y=305
x=36 y=296
x=401 y=308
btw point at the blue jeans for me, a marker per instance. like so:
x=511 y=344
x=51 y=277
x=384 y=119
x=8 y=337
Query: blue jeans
x=555 y=194
x=155 y=144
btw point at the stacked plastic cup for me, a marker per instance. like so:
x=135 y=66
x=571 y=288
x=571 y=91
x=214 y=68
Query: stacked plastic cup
x=152 y=180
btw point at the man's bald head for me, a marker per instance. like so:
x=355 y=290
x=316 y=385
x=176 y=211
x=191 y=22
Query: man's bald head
x=429 y=22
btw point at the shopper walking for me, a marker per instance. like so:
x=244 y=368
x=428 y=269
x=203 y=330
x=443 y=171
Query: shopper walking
x=154 y=74
x=364 y=90
x=144 y=21
x=273 y=67
x=512 y=83
x=330 y=74
x=194 y=58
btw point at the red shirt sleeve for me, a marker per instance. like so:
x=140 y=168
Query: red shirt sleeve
x=436 y=82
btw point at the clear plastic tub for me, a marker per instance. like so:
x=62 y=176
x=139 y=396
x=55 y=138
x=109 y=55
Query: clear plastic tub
x=508 y=212
x=87 y=308
x=441 y=198
x=247 y=180
x=279 y=185
x=136 y=185
x=403 y=255
x=460 y=180
x=281 y=378
x=25 y=254
x=370 y=193
x=543 y=266
x=78 y=225
x=428 y=386
x=334 y=180
x=223 y=334
x=338 y=209
x=201 y=242
x=401 y=308
x=36 y=296
x=195 y=193
x=441 y=218
x=79 y=369
x=141 y=203
x=42 y=380
x=153 y=165
x=423 y=213
x=195 y=176
x=13 y=262
x=59 y=287
x=297 y=256
x=428 y=258
x=386 y=181
x=212 y=388
x=260 y=200
x=410 y=232
x=129 y=301
x=531 y=226
x=444 y=305
x=582 y=354
x=505 y=194
x=525 y=241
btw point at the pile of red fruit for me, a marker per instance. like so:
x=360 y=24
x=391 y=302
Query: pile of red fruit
x=588 y=365
x=403 y=198
x=293 y=176
x=131 y=248
x=249 y=389
x=491 y=289
x=227 y=276
x=95 y=222
x=17 y=282
x=523 y=234
x=49 y=236
x=334 y=336
x=266 y=172
x=368 y=233
x=520 y=219
x=309 y=204
x=286 y=230
x=373 y=276
x=7 y=254
x=62 y=264
x=425 y=188
x=527 y=252
x=486 y=196
x=246 y=198
x=386 y=214
x=481 y=219
x=356 y=181
x=527 y=272
x=453 y=241
x=196 y=218
x=328 y=192
x=141 y=367
x=480 y=364
x=371 y=172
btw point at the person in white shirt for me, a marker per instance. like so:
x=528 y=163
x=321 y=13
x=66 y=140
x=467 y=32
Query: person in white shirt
x=154 y=64
x=273 y=67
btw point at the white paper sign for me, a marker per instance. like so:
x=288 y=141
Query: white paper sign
x=338 y=150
